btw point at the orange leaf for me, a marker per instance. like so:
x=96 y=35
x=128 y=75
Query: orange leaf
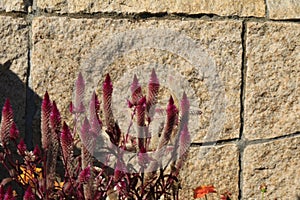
x=201 y=191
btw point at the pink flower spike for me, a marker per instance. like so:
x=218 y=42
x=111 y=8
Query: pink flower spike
x=14 y=132
x=153 y=78
x=22 y=147
x=85 y=128
x=45 y=121
x=66 y=141
x=46 y=101
x=185 y=104
x=96 y=123
x=107 y=85
x=55 y=118
x=171 y=108
x=29 y=194
x=6 y=122
x=66 y=137
x=136 y=90
x=107 y=90
x=135 y=84
x=172 y=117
x=184 y=141
x=85 y=174
x=153 y=88
x=79 y=93
x=185 y=109
x=141 y=108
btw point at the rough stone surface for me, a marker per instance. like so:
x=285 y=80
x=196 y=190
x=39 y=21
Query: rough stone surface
x=13 y=65
x=12 y=5
x=277 y=165
x=223 y=8
x=211 y=78
x=272 y=104
x=216 y=165
x=284 y=9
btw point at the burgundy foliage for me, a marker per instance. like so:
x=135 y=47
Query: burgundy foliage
x=65 y=167
x=6 y=122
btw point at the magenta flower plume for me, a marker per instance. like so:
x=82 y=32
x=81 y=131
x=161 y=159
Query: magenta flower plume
x=88 y=146
x=136 y=91
x=107 y=90
x=85 y=175
x=29 y=194
x=21 y=147
x=13 y=132
x=6 y=122
x=45 y=121
x=172 y=117
x=141 y=110
x=96 y=123
x=184 y=141
x=153 y=88
x=79 y=94
x=85 y=132
x=55 y=119
x=55 y=124
x=9 y=194
x=66 y=141
x=185 y=109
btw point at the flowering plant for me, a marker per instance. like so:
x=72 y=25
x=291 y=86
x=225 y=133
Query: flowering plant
x=65 y=166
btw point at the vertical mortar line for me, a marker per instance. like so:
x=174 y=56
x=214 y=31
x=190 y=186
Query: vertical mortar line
x=29 y=105
x=266 y=9
x=241 y=143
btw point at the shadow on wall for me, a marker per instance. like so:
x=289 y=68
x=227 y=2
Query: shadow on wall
x=24 y=104
x=27 y=3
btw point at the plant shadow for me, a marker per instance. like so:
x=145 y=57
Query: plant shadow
x=24 y=101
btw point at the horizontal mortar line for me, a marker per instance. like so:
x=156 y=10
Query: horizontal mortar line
x=246 y=142
x=266 y=140
x=14 y=14
x=215 y=143
x=285 y=20
x=143 y=16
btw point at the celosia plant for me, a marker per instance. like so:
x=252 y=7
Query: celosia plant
x=56 y=171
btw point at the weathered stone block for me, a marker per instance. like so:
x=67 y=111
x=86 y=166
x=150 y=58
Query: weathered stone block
x=277 y=165
x=12 y=5
x=215 y=165
x=13 y=66
x=272 y=105
x=223 y=8
x=202 y=58
x=283 y=9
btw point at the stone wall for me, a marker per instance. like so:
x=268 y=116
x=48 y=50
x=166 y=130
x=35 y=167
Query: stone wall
x=238 y=59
